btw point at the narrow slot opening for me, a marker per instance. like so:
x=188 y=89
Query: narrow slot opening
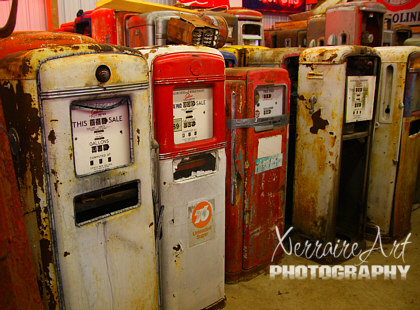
x=414 y=128
x=105 y=202
x=195 y=166
x=388 y=91
x=343 y=39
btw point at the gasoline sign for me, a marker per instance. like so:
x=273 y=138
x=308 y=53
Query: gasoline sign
x=101 y=135
x=193 y=114
x=360 y=96
x=269 y=100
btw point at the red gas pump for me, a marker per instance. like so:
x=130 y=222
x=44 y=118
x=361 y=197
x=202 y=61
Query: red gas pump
x=26 y=40
x=110 y=26
x=190 y=127
x=82 y=23
x=257 y=101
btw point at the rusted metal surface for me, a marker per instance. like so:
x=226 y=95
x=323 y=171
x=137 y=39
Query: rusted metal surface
x=18 y=288
x=27 y=40
x=150 y=29
x=286 y=58
x=232 y=23
x=242 y=52
x=222 y=27
x=269 y=38
x=192 y=30
x=410 y=150
x=316 y=31
x=355 y=23
x=83 y=23
x=412 y=42
x=256 y=190
x=291 y=25
x=245 y=14
x=319 y=139
x=407 y=177
x=273 y=57
x=110 y=26
x=291 y=37
x=401 y=33
x=389 y=157
x=78 y=266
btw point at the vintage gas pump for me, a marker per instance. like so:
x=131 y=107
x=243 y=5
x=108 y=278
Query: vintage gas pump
x=316 y=31
x=66 y=27
x=257 y=104
x=110 y=26
x=250 y=27
x=232 y=24
x=355 y=23
x=189 y=123
x=25 y=40
x=337 y=87
x=18 y=287
x=290 y=37
x=242 y=52
x=395 y=153
x=230 y=59
x=79 y=116
x=286 y=58
x=151 y=29
x=83 y=23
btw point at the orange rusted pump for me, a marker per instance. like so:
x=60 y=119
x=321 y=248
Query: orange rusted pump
x=11 y=21
x=18 y=287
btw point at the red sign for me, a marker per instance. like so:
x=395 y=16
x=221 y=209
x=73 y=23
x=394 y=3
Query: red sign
x=205 y=3
x=289 y=6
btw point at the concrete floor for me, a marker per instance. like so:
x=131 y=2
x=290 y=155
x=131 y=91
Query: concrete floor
x=264 y=293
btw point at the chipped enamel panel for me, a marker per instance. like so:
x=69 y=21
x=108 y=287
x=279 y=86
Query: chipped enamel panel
x=391 y=160
x=325 y=144
x=256 y=173
x=187 y=85
x=96 y=226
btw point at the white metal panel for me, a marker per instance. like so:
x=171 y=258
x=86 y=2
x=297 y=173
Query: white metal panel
x=31 y=14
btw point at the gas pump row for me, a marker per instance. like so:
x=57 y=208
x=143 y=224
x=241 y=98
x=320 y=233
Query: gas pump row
x=350 y=23
x=235 y=26
x=150 y=177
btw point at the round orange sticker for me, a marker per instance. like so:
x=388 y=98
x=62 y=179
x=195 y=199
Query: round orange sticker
x=201 y=214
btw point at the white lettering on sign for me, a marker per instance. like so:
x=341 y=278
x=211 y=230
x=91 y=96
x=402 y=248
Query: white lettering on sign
x=192 y=114
x=101 y=138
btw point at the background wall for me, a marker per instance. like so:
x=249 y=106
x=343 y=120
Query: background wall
x=31 y=14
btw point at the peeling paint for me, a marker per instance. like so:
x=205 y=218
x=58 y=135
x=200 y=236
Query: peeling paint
x=318 y=122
